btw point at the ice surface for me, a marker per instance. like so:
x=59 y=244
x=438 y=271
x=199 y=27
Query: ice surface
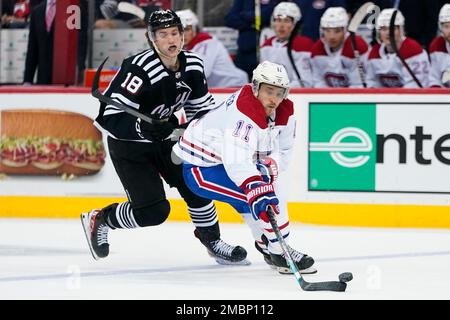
x=49 y=259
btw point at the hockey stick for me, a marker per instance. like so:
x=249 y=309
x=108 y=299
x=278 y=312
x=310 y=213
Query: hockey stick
x=257 y=26
x=394 y=47
x=340 y=285
x=446 y=77
x=352 y=28
x=289 y=52
x=127 y=7
x=103 y=98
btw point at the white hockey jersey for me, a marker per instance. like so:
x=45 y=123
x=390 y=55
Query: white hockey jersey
x=440 y=62
x=338 y=69
x=385 y=70
x=275 y=51
x=220 y=70
x=236 y=133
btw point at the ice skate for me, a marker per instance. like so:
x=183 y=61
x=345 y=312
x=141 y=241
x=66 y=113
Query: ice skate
x=96 y=231
x=275 y=261
x=223 y=252
x=265 y=254
x=303 y=262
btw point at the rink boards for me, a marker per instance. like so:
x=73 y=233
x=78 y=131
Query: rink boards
x=362 y=158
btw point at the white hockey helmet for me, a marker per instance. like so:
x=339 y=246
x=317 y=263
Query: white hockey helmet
x=188 y=18
x=287 y=9
x=270 y=73
x=444 y=14
x=334 y=17
x=384 y=19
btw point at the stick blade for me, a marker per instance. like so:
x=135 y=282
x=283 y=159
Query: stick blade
x=392 y=31
x=446 y=77
x=324 y=286
x=359 y=16
x=95 y=83
x=127 y=7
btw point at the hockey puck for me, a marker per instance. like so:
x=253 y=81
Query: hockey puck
x=345 y=277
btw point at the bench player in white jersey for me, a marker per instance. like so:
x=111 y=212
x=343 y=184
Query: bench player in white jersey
x=220 y=70
x=284 y=18
x=233 y=153
x=440 y=52
x=385 y=69
x=333 y=58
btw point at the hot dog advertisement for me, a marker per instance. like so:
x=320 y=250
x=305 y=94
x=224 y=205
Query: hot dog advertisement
x=49 y=142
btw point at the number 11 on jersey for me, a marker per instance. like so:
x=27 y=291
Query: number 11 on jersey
x=238 y=129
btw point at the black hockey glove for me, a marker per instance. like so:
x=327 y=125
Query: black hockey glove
x=158 y=131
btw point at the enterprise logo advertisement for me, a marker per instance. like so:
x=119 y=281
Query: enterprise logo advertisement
x=373 y=147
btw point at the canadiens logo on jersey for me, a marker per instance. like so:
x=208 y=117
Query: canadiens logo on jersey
x=390 y=80
x=336 y=80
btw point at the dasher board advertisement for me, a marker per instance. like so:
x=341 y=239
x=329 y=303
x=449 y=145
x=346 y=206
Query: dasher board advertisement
x=379 y=147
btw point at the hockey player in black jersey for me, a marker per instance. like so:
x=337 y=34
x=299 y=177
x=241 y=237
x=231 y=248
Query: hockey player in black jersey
x=157 y=82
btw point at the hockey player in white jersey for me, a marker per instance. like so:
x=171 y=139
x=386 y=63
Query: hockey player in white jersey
x=385 y=69
x=440 y=51
x=333 y=58
x=220 y=70
x=233 y=153
x=284 y=18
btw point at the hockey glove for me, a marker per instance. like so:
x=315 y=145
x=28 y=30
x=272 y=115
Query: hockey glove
x=157 y=131
x=259 y=196
x=268 y=169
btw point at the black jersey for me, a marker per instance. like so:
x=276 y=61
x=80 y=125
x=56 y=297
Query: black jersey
x=145 y=84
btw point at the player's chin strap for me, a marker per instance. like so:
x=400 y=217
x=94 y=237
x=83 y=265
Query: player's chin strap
x=152 y=39
x=340 y=285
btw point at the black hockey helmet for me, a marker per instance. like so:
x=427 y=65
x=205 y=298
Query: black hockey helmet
x=162 y=19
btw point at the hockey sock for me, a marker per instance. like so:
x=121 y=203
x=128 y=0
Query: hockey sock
x=205 y=216
x=122 y=217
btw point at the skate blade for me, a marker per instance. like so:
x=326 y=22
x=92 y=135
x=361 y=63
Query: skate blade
x=309 y=270
x=221 y=261
x=87 y=232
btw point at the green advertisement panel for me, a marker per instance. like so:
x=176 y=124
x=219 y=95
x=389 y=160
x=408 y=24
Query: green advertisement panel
x=342 y=146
